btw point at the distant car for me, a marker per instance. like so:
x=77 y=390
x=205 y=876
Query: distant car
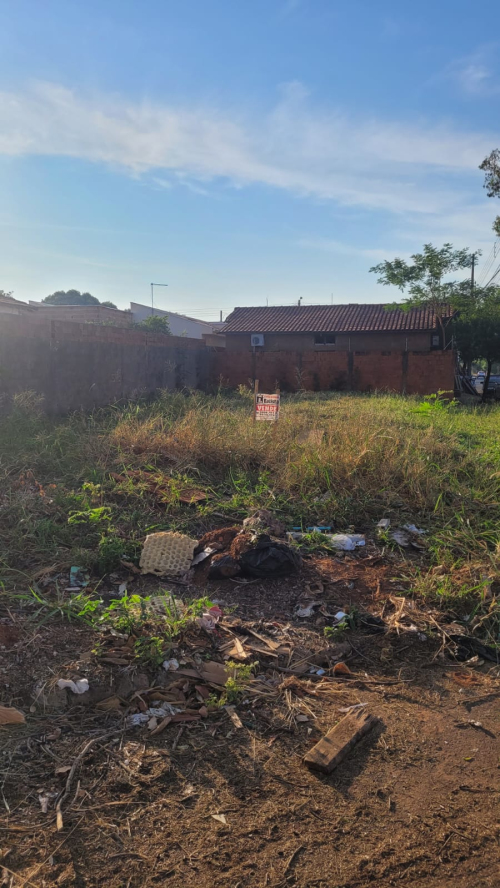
x=493 y=386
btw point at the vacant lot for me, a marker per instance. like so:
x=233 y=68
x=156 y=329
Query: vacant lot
x=220 y=797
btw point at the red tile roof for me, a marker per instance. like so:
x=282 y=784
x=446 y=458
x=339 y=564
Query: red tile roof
x=329 y=319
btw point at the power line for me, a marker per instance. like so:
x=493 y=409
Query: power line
x=494 y=276
x=492 y=255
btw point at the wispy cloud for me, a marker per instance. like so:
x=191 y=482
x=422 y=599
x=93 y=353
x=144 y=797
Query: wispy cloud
x=339 y=248
x=476 y=74
x=322 y=153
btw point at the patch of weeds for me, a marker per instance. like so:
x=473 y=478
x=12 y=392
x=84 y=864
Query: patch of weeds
x=150 y=650
x=346 y=624
x=435 y=404
x=79 y=607
x=94 y=518
x=236 y=684
x=112 y=550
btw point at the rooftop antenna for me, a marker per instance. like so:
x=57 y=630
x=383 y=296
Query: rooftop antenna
x=152 y=303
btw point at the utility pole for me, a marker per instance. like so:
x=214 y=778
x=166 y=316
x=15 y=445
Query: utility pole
x=152 y=302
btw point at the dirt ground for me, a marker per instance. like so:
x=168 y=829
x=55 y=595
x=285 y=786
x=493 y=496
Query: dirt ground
x=207 y=804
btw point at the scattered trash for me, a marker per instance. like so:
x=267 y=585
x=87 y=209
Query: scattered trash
x=11 y=716
x=80 y=686
x=220 y=817
x=210 y=618
x=203 y=555
x=306 y=610
x=340 y=615
x=45 y=799
x=384 y=524
x=338 y=742
x=138 y=719
x=223 y=567
x=345 y=541
x=167 y=553
x=413 y=529
x=401 y=537
x=268 y=559
x=79 y=577
x=171 y=665
x=122 y=588
x=466 y=646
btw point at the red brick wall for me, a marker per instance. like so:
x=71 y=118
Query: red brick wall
x=414 y=372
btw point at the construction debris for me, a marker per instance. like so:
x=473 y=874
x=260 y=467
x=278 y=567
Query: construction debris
x=334 y=746
x=167 y=554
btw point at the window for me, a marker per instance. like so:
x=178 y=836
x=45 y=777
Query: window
x=324 y=338
x=435 y=340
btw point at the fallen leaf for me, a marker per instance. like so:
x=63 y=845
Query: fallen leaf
x=341 y=669
x=161 y=727
x=233 y=715
x=62 y=769
x=11 y=716
x=109 y=704
x=220 y=817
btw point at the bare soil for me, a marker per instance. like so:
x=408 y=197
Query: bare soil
x=415 y=803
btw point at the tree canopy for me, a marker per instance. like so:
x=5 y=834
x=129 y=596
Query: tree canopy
x=424 y=278
x=491 y=167
x=156 y=324
x=476 y=328
x=74 y=297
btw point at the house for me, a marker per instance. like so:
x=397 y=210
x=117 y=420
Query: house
x=11 y=306
x=325 y=347
x=180 y=325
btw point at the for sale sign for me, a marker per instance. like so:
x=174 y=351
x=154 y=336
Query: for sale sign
x=267 y=407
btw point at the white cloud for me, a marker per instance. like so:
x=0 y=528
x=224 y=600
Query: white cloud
x=476 y=74
x=306 y=150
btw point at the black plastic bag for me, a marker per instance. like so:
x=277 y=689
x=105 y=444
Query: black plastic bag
x=268 y=559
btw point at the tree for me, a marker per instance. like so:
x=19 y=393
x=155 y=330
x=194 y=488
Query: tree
x=156 y=324
x=491 y=167
x=108 y=304
x=476 y=328
x=423 y=280
x=4 y=295
x=70 y=297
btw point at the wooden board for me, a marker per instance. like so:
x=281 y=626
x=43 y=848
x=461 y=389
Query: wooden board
x=334 y=746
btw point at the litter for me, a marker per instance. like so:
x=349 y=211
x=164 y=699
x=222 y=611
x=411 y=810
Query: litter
x=45 y=799
x=79 y=577
x=340 y=615
x=167 y=553
x=220 y=817
x=383 y=524
x=346 y=541
x=307 y=610
x=223 y=567
x=412 y=528
x=11 y=716
x=80 y=686
x=401 y=538
x=466 y=647
x=209 y=619
x=341 y=669
x=202 y=556
x=268 y=559
x=171 y=665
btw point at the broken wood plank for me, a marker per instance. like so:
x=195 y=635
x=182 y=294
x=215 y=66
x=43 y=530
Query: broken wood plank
x=338 y=742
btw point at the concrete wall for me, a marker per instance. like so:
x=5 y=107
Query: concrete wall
x=91 y=314
x=87 y=365
x=384 y=341
x=397 y=371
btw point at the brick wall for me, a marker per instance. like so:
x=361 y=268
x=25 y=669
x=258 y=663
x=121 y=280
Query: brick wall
x=411 y=372
x=78 y=365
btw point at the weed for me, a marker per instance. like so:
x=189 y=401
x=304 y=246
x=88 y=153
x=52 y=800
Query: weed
x=79 y=607
x=150 y=650
x=241 y=674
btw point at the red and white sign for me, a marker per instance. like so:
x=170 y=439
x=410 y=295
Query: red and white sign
x=267 y=407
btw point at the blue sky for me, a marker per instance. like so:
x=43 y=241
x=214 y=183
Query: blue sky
x=240 y=151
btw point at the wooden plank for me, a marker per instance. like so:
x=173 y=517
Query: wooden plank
x=334 y=746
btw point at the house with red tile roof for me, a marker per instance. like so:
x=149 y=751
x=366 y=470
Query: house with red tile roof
x=354 y=347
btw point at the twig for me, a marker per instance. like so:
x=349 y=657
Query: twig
x=179 y=735
x=67 y=788
x=292 y=858
x=52 y=854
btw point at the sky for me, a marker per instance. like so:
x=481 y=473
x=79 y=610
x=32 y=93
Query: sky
x=240 y=152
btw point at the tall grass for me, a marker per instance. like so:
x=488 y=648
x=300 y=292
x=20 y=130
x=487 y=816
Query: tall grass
x=339 y=459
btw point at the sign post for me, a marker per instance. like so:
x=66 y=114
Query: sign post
x=267 y=407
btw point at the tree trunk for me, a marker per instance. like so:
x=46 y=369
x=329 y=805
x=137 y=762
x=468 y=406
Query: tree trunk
x=486 y=381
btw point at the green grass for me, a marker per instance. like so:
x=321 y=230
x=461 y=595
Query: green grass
x=380 y=456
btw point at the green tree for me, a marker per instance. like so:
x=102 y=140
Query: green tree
x=491 y=168
x=155 y=324
x=70 y=297
x=424 y=280
x=476 y=328
x=108 y=304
